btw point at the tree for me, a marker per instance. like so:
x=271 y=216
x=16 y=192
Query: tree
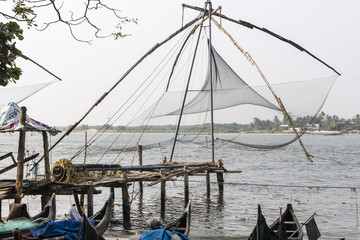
x=9 y=32
x=87 y=14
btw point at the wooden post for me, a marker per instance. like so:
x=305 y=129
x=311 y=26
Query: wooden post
x=90 y=201
x=186 y=186
x=207 y=184
x=86 y=146
x=78 y=204
x=220 y=177
x=82 y=202
x=139 y=150
x=162 y=197
x=126 y=206
x=112 y=193
x=17 y=234
x=20 y=157
x=46 y=155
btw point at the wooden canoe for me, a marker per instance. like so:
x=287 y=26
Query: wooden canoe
x=288 y=225
x=48 y=213
x=182 y=224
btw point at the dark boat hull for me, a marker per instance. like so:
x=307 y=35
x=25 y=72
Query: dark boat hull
x=182 y=224
x=47 y=214
x=290 y=225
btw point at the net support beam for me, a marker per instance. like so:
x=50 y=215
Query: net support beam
x=281 y=105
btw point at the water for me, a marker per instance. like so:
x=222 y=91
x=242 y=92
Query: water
x=270 y=178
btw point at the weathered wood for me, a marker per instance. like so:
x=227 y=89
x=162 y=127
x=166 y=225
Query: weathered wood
x=45 y=199
x=139 y=150
x=77 y=203
x=186 y=186
x=112 y=193
x=17 y=234
x=8 y=155
x=15 y=164
x=82 y=201
x=90 y=201
x=20 y=157
x=220 y=177
x=207 y=184
x=46 y=156
x=126 y=206
x=162 y=197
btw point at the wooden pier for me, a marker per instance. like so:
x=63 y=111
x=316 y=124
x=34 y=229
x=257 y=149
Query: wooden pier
x=124 y=177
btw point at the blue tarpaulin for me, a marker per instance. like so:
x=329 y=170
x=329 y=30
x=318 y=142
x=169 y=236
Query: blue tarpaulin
x=161 y=234
x=68 y=228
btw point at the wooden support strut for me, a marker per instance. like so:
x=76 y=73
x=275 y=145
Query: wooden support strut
x=90 y=201
x=46 y=156
x=162 y=197
x=220 y=177
x=21 y=156
x=139 y=150
x=186 y=186
x=207 y=184
x=126 y=206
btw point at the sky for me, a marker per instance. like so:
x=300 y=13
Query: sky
x=327 y=28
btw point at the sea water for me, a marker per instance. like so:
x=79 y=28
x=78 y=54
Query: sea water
x=329 y=186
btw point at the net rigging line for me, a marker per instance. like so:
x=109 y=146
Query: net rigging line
x=147 y=117
x=102 y=130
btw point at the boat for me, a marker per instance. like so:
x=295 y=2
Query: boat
x=261 y=230
x=103 y=217
x=48 y=213
x=182 y=224
x=287 y=225
x=89 y=232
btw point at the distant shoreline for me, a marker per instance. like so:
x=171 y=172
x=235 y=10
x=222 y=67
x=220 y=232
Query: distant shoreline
x=327 y=133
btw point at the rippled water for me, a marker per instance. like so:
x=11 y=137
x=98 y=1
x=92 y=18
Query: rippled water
x=270 y=178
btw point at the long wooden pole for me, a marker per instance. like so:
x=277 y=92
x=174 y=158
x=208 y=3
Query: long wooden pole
x=156 y=46
x=21 y=156
x=252 y=26
x=281 y=105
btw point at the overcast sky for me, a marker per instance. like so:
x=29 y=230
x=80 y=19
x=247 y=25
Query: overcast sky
x=327 y=28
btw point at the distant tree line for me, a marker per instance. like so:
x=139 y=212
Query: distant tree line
x=323 y=122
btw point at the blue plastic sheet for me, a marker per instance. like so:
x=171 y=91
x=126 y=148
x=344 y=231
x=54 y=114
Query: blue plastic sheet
x=161 y=234
x=68 y=228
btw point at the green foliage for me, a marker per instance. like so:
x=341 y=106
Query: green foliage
x=326 y=123
x=25 y=13
x=9 y=72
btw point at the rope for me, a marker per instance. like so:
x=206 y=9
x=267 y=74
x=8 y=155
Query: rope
x=279 y=185
x=282 y=107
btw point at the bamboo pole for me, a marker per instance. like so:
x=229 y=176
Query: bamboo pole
x=282 y=107
x=252 y=26
x=156 y=46
x=21 y=156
